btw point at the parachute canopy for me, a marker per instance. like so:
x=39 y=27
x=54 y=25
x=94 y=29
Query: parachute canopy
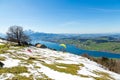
x=63 y=45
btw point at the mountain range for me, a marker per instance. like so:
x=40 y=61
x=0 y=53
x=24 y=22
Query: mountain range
x=36 y=36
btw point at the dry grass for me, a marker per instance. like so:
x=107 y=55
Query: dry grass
x=2 y=58
x=85 y=76
x=103 y=76
x=68 y=68
x=43 y=77
x=14 y=70
x=20 y=77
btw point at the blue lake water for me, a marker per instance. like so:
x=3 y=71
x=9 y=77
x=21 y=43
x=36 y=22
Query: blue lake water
x=75 y=50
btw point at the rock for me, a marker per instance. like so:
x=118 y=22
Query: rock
x=1 y=64
x=43 y=46
x=53 y=49
x=38 y=45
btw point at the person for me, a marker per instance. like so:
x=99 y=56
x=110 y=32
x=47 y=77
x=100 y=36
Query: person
x=29 y=50
x=63 y=47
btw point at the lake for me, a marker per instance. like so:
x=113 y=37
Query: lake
x=77 y=51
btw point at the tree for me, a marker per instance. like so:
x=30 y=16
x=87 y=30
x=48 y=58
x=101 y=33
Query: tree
x=16 y=34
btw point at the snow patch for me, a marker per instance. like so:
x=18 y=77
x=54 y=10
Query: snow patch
x=11 y=62
x=5 y=76
x=25 y=74
x=59 y=75
x=2 y=41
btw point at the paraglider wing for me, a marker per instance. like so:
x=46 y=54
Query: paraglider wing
x=63 y=45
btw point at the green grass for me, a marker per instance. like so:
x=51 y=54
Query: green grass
x=14 y=70
x=113 y=47
x=2 y=46
x=68 y=68
x=3 y=49
x=108 y=47
x=7 y=46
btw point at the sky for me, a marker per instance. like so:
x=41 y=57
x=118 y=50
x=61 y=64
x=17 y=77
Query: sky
x=61 y=16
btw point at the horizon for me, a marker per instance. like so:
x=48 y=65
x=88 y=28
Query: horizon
x=68 y=33
x=61 y=16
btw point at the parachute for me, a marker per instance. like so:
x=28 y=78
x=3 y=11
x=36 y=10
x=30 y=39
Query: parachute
x=63 y=45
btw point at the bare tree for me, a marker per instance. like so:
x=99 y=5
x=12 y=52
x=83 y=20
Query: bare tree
x=16 y=34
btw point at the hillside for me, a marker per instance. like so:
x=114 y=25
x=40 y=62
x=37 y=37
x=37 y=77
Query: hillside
x=31 y=63
x=53 y=37
x=97 y=44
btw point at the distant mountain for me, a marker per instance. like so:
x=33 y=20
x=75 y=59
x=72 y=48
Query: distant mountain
x=2 y=35
x=37 y=36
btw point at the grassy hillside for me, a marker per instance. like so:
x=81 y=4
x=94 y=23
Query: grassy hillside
x=106 y=46
x=45 y=64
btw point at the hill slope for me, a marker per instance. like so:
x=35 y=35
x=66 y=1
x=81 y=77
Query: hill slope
x=30 y=63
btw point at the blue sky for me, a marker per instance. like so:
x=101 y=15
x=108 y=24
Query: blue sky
x=61 y=16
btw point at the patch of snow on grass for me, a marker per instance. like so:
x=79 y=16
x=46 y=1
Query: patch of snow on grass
x=59 y=75
x=3 y=41
x=12 y=51
x=25 y=74
x=1 y=44
x=11 y=62
x=50 y=57
x=87 y=72
x=60 y=67
x=5 y=76
x=66 y=62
